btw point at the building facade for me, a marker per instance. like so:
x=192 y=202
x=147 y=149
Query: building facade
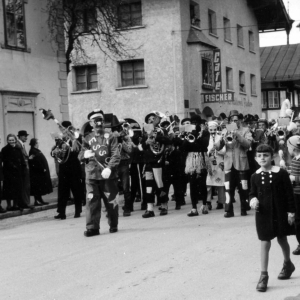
x=191 y=55
x=32 y=74
x=280 y=77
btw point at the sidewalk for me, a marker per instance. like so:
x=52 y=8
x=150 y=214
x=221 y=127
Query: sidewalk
x=51 y=199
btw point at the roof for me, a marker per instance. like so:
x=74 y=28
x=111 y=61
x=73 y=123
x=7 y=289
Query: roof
x=271 y=15
x=280 y=63
x=196 y=36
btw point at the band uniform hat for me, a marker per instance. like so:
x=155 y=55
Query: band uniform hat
x=203 y=122
x=185 y=120
x=133 y=123
x=66 y=124
x=233 y=113
x=95 y=113
x=262 y=120
x=164 y=123
x=23 y=133
x=152 y=114
x=196 y=118
x=249 y=118
x=256 y=117
x=222 y=116
x=115 y=122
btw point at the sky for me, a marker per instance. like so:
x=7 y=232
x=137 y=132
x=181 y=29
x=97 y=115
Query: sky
x=280 y=38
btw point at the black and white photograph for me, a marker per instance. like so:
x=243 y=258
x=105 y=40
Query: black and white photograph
x=150 y=149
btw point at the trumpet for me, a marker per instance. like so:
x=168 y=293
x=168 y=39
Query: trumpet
x=229 y=138
x=190 y=138
x=127 y=129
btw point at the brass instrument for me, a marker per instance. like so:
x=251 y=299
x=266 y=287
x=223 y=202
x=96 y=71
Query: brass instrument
x=156 y=147
x=61 y=151
x=229 y=137
x=127 y=129
x=190 y=138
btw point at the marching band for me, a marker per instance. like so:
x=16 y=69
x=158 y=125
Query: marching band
x=215 y=157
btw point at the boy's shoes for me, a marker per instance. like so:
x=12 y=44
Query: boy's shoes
x=220 y=206
x=287 y=270
x=91 y=232
x=126 y=213
x=244 y=213
x=160 y=208
x=262 y=283
x=193 y=213
x=113 y=230
x=163 y=211
x=148 y=214
x=209 y=206
x=229 y=214
x=297 y=251
x=204 y=209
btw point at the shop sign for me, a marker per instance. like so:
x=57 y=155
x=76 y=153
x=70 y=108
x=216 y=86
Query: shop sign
x=217 y=70
x=217 y=97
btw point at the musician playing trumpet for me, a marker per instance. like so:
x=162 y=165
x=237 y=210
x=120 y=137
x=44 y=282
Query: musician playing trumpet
x=236 y=164
x=153 y=145
x=197 y=164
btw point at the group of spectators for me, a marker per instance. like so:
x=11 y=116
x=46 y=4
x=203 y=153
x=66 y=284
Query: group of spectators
x=23 y=174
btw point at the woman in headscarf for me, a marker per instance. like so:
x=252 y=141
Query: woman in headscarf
x=40 y=180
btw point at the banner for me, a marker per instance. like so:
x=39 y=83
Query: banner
x=217 y=97
x=217 y=70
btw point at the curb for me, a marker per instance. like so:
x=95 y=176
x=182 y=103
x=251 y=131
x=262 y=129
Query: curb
x=27 y=211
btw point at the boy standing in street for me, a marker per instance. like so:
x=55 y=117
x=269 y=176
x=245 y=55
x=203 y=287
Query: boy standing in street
x=272 y=197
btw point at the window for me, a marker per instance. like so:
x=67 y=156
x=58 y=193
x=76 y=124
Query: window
x=240 y=36
x=132 y=73
x=273 y=99
x=88 y=20
x=130 y=14
x=15 y=36
x=207 y=75
x=212 y=22
x=264 y=104
x=229 y=79
x=194 y=14
x=251 y=41
x=253 y=84
x=242 y=82
x=227 y=29
x=86 y=77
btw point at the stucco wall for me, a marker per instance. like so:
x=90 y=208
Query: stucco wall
x=37 y=71
x=239 y=59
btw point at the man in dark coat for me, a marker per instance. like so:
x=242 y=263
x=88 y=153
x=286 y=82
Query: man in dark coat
x=40 y=180
x=2 y=210
x=69 y=177
x=22 y=138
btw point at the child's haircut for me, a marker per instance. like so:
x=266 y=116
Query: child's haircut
x=265 y=149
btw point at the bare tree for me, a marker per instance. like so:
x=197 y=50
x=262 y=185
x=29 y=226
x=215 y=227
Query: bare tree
x=88 y=22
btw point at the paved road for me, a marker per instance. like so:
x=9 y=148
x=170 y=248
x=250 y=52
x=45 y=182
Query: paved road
x=169 y=257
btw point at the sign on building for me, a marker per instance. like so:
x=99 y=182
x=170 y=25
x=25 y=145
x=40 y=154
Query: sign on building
x=217 y=97
x=217 y=70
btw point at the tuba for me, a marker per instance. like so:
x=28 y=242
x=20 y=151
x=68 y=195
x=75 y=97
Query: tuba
x=62 y=149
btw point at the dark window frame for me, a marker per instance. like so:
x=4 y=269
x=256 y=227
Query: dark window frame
x=212 y=22
x=240 y=36
x=88 y=73
x=195 y=14
x=242 y=82
x=130 y=13
x=227 y=29
x=251 y=41
x=210 y=78
x=229 y=82
x=253 y=84
x=133 y=71
x=15 y=47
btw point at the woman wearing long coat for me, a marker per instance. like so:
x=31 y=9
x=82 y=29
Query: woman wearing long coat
x=40 y=180
x=13 y=168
